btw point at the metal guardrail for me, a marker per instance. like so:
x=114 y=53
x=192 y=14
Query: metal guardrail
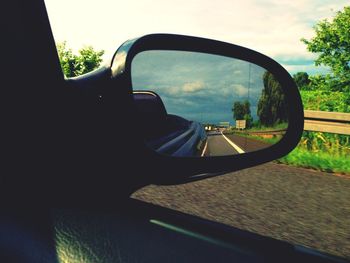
x=322 y=121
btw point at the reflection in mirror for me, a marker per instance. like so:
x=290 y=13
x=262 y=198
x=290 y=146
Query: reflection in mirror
x=196 y=104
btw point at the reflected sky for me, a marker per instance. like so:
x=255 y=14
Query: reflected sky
x=198 y=86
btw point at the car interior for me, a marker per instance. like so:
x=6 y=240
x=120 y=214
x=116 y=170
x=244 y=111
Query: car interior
x=71 y=160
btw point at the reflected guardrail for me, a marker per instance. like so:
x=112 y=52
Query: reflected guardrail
x=268 y=132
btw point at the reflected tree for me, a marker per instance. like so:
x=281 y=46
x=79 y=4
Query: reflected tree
x=272 y=106
x=241 y=111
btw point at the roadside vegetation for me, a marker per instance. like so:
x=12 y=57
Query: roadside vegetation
x=272 y=106
x=322 y=161
x=272 y=140
x=329 y=92
x=321 y=151
x=73 y=64
x=259 y=127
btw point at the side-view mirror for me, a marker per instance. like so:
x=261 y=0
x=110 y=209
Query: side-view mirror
x=230 y=106
x=203 y=106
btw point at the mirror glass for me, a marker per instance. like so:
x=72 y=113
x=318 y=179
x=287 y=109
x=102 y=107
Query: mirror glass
x=197 y=104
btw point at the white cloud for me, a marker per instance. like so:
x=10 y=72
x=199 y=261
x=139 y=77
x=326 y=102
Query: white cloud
x=189 y=87
x=240 y=90
x=172 y=91
x=193 y=86
x=273 y=27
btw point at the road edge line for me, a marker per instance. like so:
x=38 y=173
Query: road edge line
x=237 y=148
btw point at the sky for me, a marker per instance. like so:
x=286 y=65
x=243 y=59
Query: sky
x=198 y=87
x=272 y=27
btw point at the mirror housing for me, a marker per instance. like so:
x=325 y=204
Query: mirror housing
x=170 y=169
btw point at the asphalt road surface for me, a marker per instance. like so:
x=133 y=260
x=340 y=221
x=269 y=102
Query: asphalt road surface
x=218 y=145
x=247 y=144
x=298 y=205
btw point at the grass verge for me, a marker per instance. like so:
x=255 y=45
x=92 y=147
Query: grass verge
x=255 y=137
x=326 y=153
x=276 y=127
x=321 y=161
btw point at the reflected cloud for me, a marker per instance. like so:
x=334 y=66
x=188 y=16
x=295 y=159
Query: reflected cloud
x=240 y=90
x=193 y=86
x=198 y=86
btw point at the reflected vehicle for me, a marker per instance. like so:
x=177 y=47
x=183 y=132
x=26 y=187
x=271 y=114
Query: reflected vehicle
x=215 y=132
x=167 y=133
x=208 y=105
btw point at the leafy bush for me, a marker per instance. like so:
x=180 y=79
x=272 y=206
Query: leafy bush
x=334 y=144
x=325 y=100
x=322 y=151
x=74 y=65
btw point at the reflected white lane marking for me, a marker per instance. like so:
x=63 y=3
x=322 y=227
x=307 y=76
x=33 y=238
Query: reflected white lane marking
x=205 y=148
x=237 y=148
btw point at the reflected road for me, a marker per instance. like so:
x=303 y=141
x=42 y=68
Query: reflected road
x=218 y=145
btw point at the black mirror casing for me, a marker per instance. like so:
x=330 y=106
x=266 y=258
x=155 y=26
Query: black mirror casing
x=170 y=170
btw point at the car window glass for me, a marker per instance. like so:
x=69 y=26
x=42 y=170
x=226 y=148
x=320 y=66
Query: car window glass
x=302 y=198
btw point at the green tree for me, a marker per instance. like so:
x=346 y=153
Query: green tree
x=332 y=44
x=248 y=120
x=89 y=59
x=241 y=111
x=74 y=65
x=67 y=59
x=247 y=114
x=272 y=106
x=302 y=80
x=238 y=110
